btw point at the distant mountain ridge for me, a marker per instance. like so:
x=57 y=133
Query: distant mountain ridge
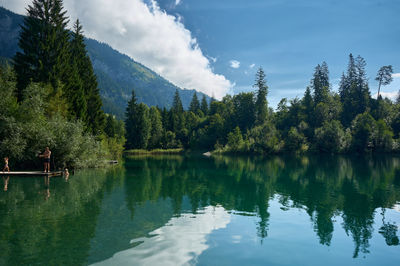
x=117 y=74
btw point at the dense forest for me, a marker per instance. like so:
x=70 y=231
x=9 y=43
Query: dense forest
x=321 y=121
x=50 y=97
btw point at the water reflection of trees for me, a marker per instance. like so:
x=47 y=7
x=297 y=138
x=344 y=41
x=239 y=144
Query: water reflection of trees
x=356 y=189
x=41 y=223
x=324 y=186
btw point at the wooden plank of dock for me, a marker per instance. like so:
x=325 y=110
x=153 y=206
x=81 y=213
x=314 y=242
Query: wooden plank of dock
x=30 y=173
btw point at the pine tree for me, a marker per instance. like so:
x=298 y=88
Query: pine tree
x=89 y=91
x=194 y=104
x=204 y=105
x=177 y=106
x=143 y=126
x=261 y=105
x=130 y=123
x=137 y=124
x=354 y=90
x=384 y=76
x=320 y=83
x=156 y=131
x=308 y=106
x=44 y=46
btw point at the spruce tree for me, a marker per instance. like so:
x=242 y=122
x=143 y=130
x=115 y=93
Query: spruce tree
x=354 y=90
x=143 y=127
x=137 y=124
x=261 y=105
x=130 y=123
x=44 y=46
x=88 y=92
x=308 y=106
x=194 y=104
x=177 y=106
x=320 y=83
x=204 y=105
x=156 y=131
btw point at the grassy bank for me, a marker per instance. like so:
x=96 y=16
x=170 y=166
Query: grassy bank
x=153 y=152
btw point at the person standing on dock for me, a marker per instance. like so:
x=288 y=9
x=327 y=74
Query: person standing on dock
x=6 y=167
x=46 y=155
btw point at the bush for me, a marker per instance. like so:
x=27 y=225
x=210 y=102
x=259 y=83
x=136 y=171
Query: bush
x=332 y=138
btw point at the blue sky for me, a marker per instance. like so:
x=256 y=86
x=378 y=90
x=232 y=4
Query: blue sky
x=216 y=46
x=289 y=38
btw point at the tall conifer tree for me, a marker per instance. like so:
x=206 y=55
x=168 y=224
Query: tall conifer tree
x=261 y=105
x=94 y=116
x=194 y=104
x=130 y=123
x=44 y=45
x=354 y=90
x=177 y=106
x=204 y=105
x=320 y=83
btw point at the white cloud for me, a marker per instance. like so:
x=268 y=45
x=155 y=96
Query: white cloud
x=252 y=65
x=177 y=2
x=392 y=95
x=147 y=34
x=17 y=6
x=234 y=64
x=396 y=75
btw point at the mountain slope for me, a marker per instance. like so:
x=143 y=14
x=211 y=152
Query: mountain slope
x=117 y=74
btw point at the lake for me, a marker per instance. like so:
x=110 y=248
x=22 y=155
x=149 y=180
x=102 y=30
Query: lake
x=195 y=210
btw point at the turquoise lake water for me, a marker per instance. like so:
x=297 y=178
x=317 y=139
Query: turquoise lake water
x=195 y=210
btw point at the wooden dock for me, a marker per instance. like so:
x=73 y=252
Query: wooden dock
x=30 y=173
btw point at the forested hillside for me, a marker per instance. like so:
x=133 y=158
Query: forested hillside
x=117 y=74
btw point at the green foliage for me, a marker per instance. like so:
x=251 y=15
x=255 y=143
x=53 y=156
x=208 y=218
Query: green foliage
x=295 y=141
x=26 y=128
x=261 y=105
x=354 y=90
x=363 y=127
x=244 y=110
x=265 y=139
x=204 y=105
x=194 y=104
x=44 y=46
x=235 y=140
x=156 y=131
x=177 y=106
x=384 y=77
x=383 y=137
x=320 y=83
x=332 y=138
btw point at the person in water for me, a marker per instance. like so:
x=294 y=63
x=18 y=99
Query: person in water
x=46 y=155
x=6 y=167
x=66 y=174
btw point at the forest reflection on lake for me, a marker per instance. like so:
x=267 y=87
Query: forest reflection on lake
x=198 y=210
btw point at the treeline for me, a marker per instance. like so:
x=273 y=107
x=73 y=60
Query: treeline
x=51 y=98
x=349 y=120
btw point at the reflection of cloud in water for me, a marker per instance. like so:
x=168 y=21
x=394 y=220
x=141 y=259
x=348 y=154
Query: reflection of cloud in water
x=179 y=242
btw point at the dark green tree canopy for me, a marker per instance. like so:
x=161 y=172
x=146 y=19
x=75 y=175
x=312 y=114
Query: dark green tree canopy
x=44 y=45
